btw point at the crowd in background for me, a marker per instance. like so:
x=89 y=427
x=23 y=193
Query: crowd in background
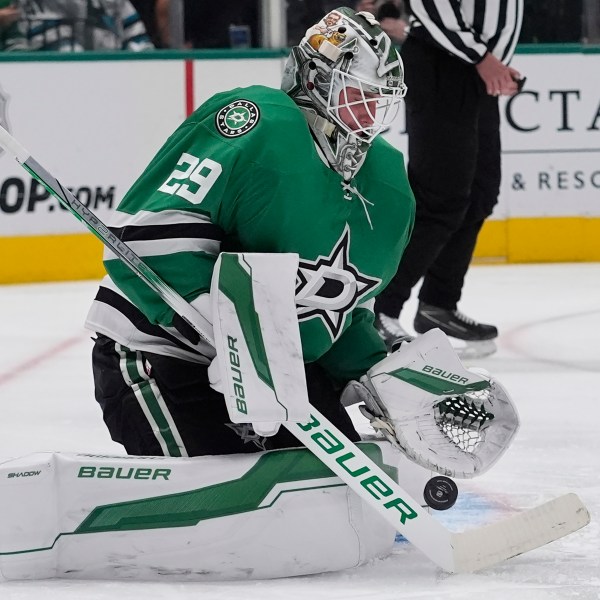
x=75 y=25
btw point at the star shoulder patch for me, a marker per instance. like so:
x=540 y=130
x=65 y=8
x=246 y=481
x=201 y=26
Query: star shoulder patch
x=330 y=287
x=237 y=118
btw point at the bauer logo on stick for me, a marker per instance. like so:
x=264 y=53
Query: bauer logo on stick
x=237 y=118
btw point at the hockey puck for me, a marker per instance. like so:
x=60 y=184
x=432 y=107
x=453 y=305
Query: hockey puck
x=440 y=493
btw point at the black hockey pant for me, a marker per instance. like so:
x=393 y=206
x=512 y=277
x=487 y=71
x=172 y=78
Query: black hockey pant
x=160 y=406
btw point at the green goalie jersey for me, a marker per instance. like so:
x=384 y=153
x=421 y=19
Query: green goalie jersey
x=243 y=173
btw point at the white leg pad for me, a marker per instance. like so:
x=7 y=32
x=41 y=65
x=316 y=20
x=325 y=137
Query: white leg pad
x=257 y=516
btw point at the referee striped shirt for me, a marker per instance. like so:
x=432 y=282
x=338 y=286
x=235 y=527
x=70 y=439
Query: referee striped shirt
x=470 y=28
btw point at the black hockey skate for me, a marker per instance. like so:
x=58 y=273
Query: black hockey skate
x=391 y=332
x=476 y=339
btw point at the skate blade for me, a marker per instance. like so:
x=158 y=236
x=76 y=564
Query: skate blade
x=470 y=349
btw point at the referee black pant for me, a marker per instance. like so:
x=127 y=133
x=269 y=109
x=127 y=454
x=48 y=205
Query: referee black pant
x=453 y=131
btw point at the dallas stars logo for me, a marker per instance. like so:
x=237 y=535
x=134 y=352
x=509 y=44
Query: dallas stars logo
x=331 y=287
x=237 y=118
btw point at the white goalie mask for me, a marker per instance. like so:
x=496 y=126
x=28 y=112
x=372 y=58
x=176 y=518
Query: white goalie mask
x=349 y=80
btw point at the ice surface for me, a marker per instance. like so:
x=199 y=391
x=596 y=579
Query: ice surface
x=548 y=358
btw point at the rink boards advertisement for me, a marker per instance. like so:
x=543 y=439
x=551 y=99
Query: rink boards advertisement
x=549 y=204
x=94 y=122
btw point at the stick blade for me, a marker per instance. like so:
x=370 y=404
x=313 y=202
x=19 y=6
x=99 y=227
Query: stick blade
x=525 y=531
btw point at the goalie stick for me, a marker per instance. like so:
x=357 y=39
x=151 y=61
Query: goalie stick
x=102 y=232
x=454 y=552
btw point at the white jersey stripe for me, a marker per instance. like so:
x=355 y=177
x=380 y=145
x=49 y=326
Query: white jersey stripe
x=165 y=217
x=168 y=246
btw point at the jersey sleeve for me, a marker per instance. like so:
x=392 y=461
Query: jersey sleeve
x=175 y=217
x=356 y=350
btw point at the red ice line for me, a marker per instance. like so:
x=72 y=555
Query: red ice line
x=36 y=360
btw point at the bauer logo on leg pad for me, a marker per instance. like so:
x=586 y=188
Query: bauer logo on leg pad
x=123 y=473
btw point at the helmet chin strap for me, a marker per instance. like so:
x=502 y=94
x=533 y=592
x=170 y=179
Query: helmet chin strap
x=343 y=151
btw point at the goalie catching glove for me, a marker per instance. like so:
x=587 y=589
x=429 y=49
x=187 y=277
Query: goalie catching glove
x=454 y=421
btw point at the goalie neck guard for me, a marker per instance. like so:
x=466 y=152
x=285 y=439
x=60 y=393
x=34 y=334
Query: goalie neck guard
x=348 y=80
